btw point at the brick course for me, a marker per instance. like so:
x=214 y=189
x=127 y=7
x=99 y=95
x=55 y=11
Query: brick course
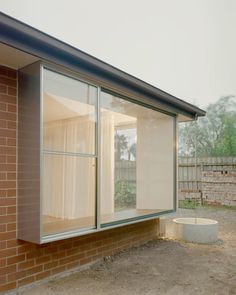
x=219 y=187
x=21 y=262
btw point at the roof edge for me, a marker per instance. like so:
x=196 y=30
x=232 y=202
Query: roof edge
x=28 y=39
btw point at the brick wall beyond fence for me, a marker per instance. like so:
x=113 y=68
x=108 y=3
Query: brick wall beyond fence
x=22 y=263
x=210 y=180
x=219 y=187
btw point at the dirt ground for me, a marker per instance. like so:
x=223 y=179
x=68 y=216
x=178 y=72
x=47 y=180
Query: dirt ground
x=160 y=267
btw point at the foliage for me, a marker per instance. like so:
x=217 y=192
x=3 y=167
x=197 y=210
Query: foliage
x=188 y=204
x=132 y=151
x=123 y=149
x=125 y=194
x=121 y=145
x=193 y=204
x=213 y=135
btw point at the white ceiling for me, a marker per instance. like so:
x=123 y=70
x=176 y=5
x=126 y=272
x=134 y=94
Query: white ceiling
x=60 y=108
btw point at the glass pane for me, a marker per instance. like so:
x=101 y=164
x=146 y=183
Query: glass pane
x=137 y=159
x=69 y=114
x=68 y=193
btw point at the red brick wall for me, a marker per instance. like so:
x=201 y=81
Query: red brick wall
x=22 y=263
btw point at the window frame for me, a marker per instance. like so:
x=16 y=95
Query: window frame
x=64 y=153
x=131 y=220
x=98 y=226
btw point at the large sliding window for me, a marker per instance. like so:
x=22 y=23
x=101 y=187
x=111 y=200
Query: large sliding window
x=137 y=159
x=88 y=159
x=69 y=151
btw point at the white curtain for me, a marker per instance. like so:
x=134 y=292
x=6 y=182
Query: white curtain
x=70 y=181
x=70 y=135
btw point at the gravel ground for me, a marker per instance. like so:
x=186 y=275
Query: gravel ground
x=159 y=267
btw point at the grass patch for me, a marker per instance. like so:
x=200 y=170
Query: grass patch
x=192 y=204
x=218 y=207
x=188 y=204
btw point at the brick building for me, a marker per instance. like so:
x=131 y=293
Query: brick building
x=60 y=110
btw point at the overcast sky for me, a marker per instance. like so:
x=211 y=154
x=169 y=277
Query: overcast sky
x=185 y=47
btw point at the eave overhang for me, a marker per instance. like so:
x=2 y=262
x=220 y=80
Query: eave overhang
x=32 y=41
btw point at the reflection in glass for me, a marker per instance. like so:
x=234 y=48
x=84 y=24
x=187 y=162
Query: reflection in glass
x=136 y=161
x=69 y=114
x=68 y=193
x=69 y=171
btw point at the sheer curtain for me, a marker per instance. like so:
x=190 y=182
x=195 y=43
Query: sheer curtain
x=70 y=181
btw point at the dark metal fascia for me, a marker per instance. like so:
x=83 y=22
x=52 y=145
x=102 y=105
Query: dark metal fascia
x=30 y=40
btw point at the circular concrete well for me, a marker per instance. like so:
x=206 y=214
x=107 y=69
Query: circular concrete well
x=196 y=230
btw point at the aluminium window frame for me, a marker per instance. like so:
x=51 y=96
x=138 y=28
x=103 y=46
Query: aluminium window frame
x=75 y=232
x=112 y=224
x=98 y=225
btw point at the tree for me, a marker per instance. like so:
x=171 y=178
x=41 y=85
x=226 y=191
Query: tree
x=132 y=151
x=121 y=145
x=213 y=135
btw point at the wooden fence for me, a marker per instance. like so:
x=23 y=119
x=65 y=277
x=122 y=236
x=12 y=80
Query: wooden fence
x=125 y=170
x=204 y=180
x=190 y=170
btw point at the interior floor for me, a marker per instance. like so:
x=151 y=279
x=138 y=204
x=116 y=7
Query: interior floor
x=53 y=225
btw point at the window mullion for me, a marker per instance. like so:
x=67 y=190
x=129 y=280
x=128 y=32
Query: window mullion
x=98 y=152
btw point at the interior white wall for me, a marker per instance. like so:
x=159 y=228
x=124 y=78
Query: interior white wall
x=107 y=163
x=155 y=158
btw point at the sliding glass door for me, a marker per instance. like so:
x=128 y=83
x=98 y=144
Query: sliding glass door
x=89 y=159
x=135 y=177
x=69 y=154
x=137 y=161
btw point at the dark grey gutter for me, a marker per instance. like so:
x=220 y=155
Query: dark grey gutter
x=30 y=40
